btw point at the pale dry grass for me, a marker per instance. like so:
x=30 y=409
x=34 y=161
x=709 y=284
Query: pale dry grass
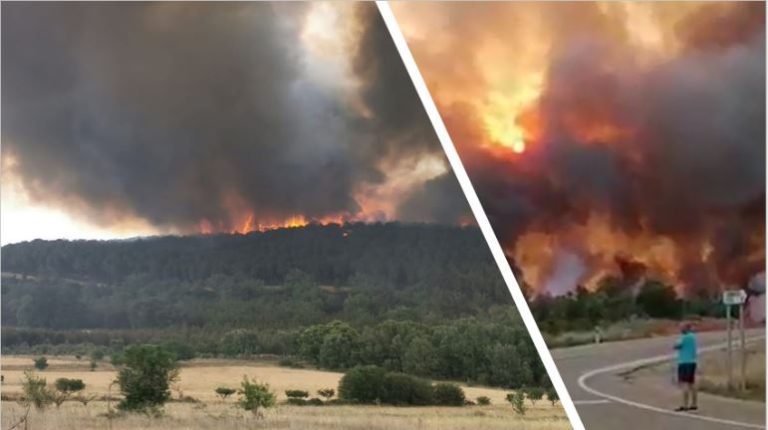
x=184 y=416
x=199 y=378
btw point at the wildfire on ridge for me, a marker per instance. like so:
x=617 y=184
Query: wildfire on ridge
x=250 y=224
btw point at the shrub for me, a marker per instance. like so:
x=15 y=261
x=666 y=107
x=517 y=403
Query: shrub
x=314 y=401
x=296 y=394
x=255 y=396
x=225 y=392
x=146 y=379
x=552 y=396
x=534 y=394
x=446 y=394
x=35 y=391
x=517 y=399
x=41 y=363
x=296 y=401
x=93 y=366
x=117 y=359
x=362 y=384
x=326 y=393
x=483 y=400
x=67 y=385
x=402 y=389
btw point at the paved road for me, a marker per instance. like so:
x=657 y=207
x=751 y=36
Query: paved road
x=607 y=400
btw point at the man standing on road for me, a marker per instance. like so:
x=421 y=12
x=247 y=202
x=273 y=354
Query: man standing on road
x=686 y=367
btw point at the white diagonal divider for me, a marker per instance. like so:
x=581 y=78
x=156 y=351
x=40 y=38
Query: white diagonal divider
x=478 y=212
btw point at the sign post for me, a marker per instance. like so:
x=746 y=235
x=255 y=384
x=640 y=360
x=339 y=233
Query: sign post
x=743 y=372
x=733 y=298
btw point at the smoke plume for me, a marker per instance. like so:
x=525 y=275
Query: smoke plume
x=608 y=130
x=225 y=115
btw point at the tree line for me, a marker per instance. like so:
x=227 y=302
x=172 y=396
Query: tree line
x=279 y=279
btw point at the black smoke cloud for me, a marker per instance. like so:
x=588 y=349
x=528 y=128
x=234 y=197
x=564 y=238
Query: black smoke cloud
x=178 y=112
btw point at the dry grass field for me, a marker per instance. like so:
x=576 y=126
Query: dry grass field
x=199 y=378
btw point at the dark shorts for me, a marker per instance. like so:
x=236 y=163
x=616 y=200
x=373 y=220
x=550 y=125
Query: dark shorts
x=686 y=373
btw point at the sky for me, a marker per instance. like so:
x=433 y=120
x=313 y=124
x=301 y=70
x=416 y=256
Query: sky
x=129 y=119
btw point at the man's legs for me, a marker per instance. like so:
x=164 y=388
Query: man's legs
x=692 y=390
x=686 y=393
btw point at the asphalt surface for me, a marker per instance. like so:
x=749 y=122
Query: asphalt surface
x=606 y=397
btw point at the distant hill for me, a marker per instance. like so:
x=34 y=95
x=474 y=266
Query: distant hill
x=280 y=278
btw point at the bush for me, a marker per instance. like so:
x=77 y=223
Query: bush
x=296 y=401
x=66 y=385
x=93 y=366
x=534 y=394
x=446 y=394
x=255 y=396
x=117 y=359
x=483 y=400
x=517 y=399
x=225 y=392
x=362 y=384
x=402 y=389
x=552 y=396
x=146 y=379
x=373 y=384
x=35 y=391
x=314 y=401
x=296 y=394
x=41 y=363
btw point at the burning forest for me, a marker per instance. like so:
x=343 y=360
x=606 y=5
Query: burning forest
x=214 y=117
x=608 y=139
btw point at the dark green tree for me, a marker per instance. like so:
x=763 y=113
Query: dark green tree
x=534 y=394
x=552 y=396
x=447 y=394
x=363 y=384
x=146 y=378
x=225 y=392
x=41 y=363
x=255 y=396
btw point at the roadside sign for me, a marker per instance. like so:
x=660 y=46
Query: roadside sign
x=734 y=297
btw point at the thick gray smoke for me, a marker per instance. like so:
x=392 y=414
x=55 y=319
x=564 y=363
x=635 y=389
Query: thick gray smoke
x=180 y=112
x=684 y=156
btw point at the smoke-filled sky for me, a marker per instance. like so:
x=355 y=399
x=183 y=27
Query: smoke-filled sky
x=123 y=119
x=607 y=138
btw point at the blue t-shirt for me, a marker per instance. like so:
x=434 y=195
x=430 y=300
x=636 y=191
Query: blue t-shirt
x=686 y=349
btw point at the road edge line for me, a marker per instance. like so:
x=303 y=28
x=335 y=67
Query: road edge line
x=654 y=360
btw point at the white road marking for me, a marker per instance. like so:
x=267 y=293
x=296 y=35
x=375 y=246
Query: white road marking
x=591 y=402
x=654 y=360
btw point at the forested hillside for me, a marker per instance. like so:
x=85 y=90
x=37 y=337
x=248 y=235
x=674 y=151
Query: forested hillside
x=283 y=278
x=421 y=299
